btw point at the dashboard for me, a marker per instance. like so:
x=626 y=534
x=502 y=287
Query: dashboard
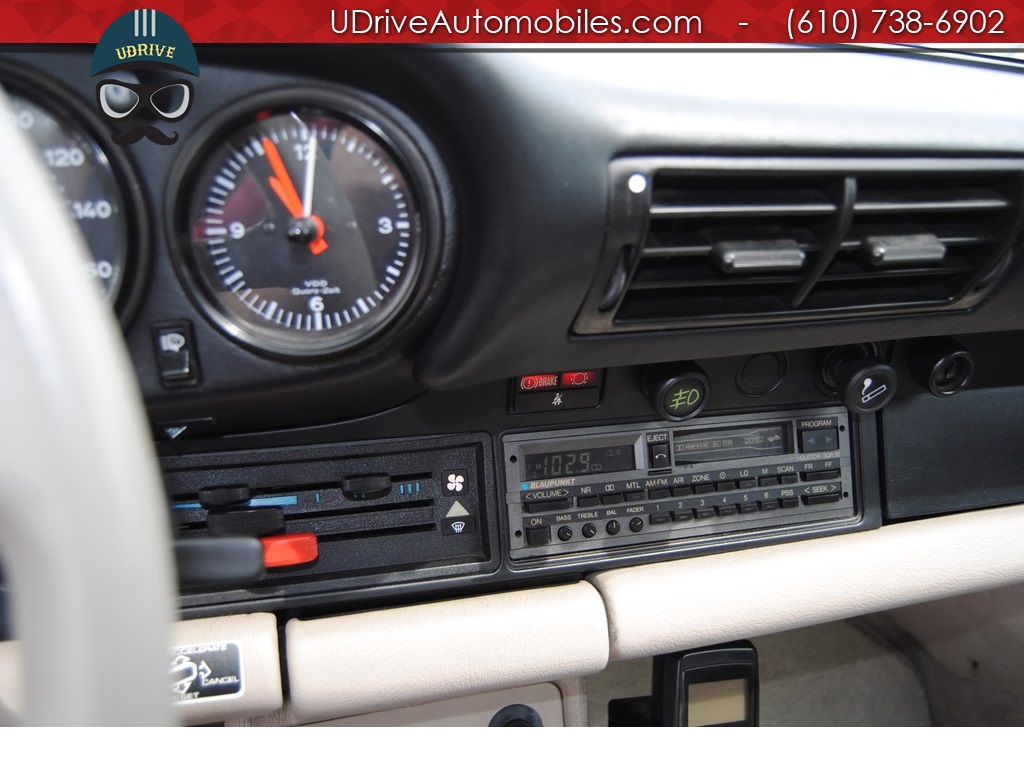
x=444 y=323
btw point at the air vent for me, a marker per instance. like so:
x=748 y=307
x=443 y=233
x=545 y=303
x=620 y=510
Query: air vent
x=734 y=241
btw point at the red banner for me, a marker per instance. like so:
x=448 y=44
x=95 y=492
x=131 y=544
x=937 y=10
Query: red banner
x=607 y=22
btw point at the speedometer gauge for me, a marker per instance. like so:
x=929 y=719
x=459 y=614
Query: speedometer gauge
x=95 y=187
x=302 y=224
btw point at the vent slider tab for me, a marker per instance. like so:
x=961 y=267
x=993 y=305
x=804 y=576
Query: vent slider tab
x=903 y=250
x=759 y=256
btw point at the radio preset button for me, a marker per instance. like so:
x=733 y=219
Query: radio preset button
x=538 y=537
x=769 y=506
x=682 y=515
x=636 y=525
x=613 y=527
x=659 y=518
x=726 y=509
x=565 y=533
x=589 y=530
x=705 y=512
x=746 y=509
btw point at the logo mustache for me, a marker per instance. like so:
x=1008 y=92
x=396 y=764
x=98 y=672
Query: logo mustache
x=140 y=132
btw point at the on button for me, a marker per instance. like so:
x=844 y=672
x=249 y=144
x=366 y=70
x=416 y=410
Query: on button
x=538 y=537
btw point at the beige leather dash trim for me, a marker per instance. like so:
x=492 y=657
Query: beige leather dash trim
x=666 y=607
x=391 y=658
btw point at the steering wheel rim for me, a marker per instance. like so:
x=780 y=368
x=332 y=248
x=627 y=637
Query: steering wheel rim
x=84 y=534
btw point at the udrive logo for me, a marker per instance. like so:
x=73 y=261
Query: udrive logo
x=144 y=53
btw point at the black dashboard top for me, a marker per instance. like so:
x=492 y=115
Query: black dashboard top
x=513 y=153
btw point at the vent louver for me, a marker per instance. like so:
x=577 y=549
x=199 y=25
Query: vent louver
x=733 y=241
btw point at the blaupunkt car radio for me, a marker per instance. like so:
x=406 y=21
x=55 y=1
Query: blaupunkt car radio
x=582 y=490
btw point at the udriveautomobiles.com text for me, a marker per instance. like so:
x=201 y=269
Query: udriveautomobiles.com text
x=477 y=24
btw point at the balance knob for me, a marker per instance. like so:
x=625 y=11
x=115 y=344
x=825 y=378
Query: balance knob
x=866 y=384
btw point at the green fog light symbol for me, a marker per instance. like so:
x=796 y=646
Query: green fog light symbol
x=684 y=397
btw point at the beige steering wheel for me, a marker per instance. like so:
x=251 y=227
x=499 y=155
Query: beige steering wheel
x=84 y=532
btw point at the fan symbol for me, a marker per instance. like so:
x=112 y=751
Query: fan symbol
x=455 y=482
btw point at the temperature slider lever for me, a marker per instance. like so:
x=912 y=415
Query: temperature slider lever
x=366 y=487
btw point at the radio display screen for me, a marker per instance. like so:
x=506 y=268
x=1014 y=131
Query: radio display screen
x=724 y=444
x=543 y=466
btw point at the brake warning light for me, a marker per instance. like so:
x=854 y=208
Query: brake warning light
x=538 y=381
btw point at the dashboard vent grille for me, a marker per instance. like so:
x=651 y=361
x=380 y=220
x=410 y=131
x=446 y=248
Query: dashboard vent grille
x=732 y=241
x=965 y=218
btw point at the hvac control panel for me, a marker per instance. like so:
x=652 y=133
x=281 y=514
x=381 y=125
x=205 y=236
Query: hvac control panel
x=340 y=516
x=584 y=490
